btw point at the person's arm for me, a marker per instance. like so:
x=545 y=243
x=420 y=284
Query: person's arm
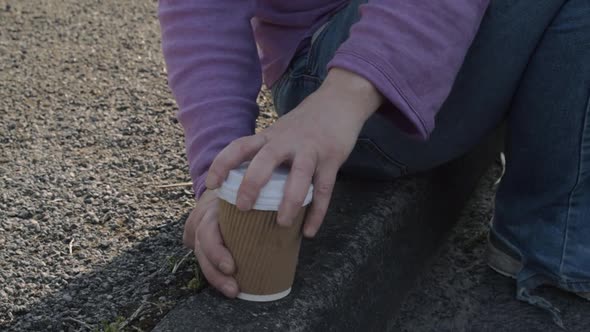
x=407 y=52
x=411 y=50
x=214 y=74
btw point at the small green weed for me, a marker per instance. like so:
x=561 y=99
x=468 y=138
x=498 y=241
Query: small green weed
x=172 y=260
x=112 y=326
x=198 y=280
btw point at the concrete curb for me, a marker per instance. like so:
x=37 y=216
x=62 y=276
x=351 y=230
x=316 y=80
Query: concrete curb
x=355 y=274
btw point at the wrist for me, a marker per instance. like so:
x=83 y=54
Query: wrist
x=353 y=90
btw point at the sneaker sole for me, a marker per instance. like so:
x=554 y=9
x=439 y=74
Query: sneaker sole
x=508 y=266
x=501 y=262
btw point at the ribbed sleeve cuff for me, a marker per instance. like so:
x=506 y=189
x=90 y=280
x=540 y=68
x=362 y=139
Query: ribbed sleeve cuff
x=405 y=105
x=199 y=185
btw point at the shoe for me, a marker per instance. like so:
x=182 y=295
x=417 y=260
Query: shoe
x=502 y=162
x=506 y=262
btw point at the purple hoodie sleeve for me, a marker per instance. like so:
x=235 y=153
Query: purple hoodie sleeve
x=411 y=50
x=215 y=89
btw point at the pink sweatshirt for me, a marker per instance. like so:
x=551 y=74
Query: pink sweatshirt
x=411 y=50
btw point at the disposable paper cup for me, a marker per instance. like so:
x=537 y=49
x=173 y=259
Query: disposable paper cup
x=265 y=253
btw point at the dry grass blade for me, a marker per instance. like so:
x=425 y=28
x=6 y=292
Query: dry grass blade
x=177 y=265
x=71 y=246
x=175 y=185
x=133 y=316
x=79 y=322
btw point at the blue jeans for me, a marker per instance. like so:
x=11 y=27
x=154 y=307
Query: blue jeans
x=529 y=66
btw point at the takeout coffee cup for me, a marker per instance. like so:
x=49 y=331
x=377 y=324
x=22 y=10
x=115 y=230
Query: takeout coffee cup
x=265 y=253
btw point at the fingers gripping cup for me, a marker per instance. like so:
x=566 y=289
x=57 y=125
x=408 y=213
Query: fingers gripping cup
x=265 y=253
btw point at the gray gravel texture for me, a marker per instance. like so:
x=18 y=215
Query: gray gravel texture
x=87 y=132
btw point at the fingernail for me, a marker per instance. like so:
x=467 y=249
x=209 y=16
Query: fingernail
x=243 y=203
x=229 y=288
x=309 y=232
x=225 y=267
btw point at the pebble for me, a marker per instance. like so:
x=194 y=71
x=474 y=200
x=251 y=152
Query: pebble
x=34 y=224
x=67 y=297
x=25 y=214
x=93 y=218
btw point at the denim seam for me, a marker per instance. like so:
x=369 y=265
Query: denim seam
x=575 y=286
x=576 y=282
x=310 y=66
x=552 y=277
x=538 y=278
x=574 y=189
x=381 y=154
x=277 y=87
x=393 y=83
x=308 y=77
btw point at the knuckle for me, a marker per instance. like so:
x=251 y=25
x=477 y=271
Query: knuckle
x=223 y=158
x=334 y=150
x=242 y=146
x=218 y=163
x=217 y=257
x=270 y=153
x=303 y=168
x=214 y=171
x=323 y=188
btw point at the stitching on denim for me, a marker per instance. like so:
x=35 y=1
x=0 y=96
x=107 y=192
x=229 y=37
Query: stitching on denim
x=583 y=283
x=277 y=89
x=317 y=37
x=372 y=146
x=306 y=77
x=574 y=189
x=310 y=66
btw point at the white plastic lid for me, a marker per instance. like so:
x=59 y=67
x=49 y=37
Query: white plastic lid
x=271 y=194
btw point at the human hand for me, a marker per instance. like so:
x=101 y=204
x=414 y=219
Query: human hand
x=201 y=233
x=315 y=138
